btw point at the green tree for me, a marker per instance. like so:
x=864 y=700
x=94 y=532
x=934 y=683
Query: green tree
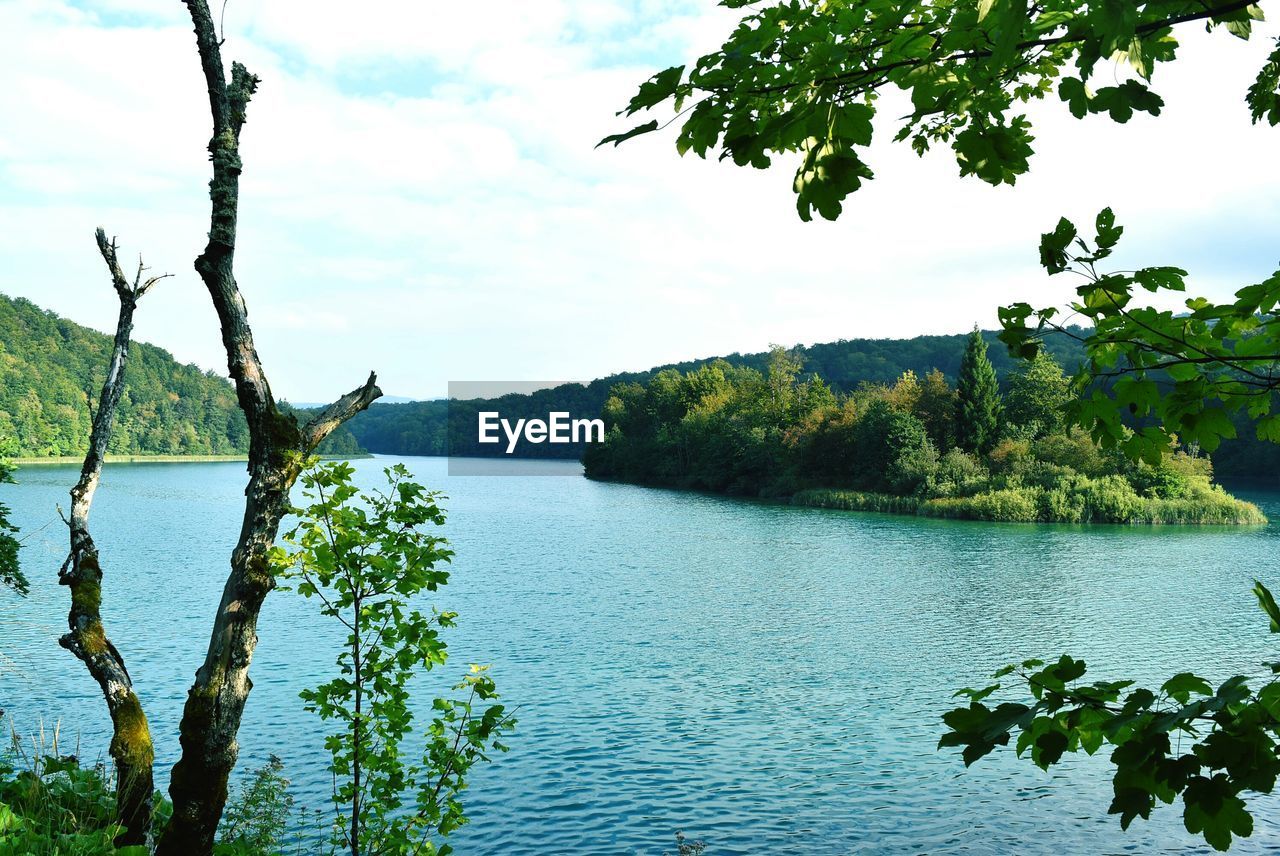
x=784 y=368
x=804 y=79
x=883 y=436
x=977 y=398
x=905 y=392
x=936 y=408
x=365 y=557
x=1038 y=396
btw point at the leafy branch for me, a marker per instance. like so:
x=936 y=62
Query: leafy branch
x=1231 y=732
x=1156 y=377
x=805 y=78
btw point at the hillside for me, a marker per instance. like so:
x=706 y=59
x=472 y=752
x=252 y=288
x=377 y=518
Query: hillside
x=420 y=427
x=51 y=368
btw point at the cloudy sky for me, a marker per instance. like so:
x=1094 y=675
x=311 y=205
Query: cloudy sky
x=422 y=197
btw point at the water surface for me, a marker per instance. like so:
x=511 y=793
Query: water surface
x=765 y=678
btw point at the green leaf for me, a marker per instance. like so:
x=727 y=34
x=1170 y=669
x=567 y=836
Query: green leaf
x=1182 y=685
x=1155 y=278
x=656 y=89
x=852 y=123
x=1053 y=246
x=1077 y=96
x=1268 y=604
x=1108 y=232
x=1269 y=698
x=1215 y=812
x=617 y=139
x=831 y=171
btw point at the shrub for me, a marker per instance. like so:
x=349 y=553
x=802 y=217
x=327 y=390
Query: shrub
x=1110 y=499
x=50 y=805
x=1008 y=505
x=913 y=471
x=959 y=473
x=1075 y=450
x=854 y=500
x=1009 y=456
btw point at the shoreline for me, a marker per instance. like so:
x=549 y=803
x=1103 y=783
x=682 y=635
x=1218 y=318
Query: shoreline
x=159 y=459
x=1240 y=515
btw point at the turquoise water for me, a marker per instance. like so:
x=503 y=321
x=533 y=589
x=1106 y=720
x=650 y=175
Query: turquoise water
x=767 y=679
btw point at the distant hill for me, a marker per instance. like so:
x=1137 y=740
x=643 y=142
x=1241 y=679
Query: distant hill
x=51 y=368
x=421 y=427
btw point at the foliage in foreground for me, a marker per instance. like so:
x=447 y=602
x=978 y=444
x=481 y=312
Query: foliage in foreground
x=54 y=806
x=364 y=557
x=1156 y=373
x=50 y=805
x=1211 y=747
x=916 y=447
x=1151 y=373
x=803 y=80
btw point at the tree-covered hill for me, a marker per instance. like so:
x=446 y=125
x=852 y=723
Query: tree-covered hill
x=52 y=368
x=422 y=427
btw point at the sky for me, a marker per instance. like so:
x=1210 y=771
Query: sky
x=422 y=195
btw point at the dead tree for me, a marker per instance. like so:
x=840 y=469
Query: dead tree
x=82 y=572
x=278 y=446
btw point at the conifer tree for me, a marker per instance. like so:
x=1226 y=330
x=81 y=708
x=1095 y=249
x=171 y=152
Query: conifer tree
x=978 y=398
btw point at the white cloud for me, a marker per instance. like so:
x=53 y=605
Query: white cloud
x=422 y=196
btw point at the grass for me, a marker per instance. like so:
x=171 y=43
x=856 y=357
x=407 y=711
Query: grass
x=1041 y=505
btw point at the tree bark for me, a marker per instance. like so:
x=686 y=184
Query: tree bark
x=278 y=447
x=131 y=748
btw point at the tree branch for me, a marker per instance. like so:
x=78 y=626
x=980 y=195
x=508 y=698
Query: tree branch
x=324 y=422
x=851 y=77
x=131 y=747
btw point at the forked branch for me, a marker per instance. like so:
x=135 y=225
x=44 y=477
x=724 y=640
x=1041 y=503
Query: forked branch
x=82 y=572
x=277 y=448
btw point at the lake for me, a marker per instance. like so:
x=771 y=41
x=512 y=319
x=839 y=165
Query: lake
x=768 y=679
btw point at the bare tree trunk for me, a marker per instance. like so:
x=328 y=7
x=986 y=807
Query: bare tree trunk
x=277 y=448
x=82 y=572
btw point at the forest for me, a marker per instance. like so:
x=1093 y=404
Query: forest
x=51 y=368
x=916 y=445
x=50 y=364
x=440 y=427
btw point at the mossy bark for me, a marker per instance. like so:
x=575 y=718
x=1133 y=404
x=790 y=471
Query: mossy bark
x=278 y=446
x=131 y=748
